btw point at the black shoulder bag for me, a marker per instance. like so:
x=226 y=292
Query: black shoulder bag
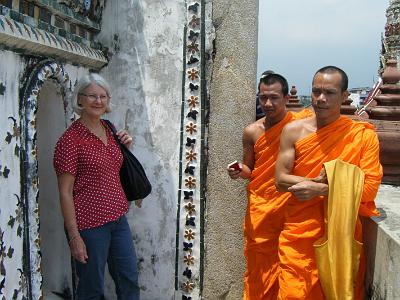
x=132 y=175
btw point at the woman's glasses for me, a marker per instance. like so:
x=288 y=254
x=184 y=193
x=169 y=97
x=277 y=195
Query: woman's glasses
x=94 y=97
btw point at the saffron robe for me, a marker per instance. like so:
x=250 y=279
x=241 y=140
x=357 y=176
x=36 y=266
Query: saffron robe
x=264 y=215
x=352 y=142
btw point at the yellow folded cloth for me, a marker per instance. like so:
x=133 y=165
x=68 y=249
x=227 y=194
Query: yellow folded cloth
x=337 y=252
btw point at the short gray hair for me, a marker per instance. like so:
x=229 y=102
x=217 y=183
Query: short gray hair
x=83 y=83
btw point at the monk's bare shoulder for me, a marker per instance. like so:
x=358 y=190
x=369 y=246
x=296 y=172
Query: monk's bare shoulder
x=254 y=130
x=299 y=129
x=299 y=125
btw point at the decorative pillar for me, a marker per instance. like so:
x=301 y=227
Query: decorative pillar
x=347 y=109
x=391 y=38
x=388 y=101
x=294 y=102
x=386 y=118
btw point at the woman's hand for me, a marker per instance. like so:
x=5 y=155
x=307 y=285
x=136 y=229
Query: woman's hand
x=78 y=249
x=76 y=244
x=125 y=138
x=138 y=203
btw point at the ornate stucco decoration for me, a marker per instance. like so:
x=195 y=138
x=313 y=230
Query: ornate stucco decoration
x=17 y=35
x=391 y=38
x=33 y=82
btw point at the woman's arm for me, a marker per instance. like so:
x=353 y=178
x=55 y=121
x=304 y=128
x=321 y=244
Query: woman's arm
x=77 y=245
x=125 y=138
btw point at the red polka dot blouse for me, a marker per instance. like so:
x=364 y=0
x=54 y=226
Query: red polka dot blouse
x=97 y=192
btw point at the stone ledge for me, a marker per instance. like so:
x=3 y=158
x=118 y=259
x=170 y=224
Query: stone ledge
x=16 y=35
x=382 y=246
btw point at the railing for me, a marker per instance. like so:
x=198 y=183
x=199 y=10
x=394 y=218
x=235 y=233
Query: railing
x=372 y=93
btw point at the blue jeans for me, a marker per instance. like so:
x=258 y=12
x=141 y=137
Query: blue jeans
x=111 y=243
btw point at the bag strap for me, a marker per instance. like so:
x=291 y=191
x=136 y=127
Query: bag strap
x=113 y=130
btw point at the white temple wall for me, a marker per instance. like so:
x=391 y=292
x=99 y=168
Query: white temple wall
x=145 y=74
x=160 y=57
x=50 y=121
x=11 y=222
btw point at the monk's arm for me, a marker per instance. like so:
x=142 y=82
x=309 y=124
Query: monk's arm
x=248 y=153
x=285 y=162
x=301 y=187
x=248 y=156
x=372 y=169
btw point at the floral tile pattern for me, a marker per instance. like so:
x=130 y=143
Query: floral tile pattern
x=189 y=275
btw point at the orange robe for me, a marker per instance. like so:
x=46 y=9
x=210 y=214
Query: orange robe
x=264 y=215
x=352 y=142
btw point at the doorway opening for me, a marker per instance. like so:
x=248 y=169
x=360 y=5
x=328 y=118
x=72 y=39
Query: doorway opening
x=56 y=258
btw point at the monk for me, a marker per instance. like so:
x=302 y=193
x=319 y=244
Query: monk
x=264 y=215
x=305 y=145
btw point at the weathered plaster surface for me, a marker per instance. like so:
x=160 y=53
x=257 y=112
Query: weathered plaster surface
x=382 y=242
x=11 y=244
x=145 y=72
x=232 y=107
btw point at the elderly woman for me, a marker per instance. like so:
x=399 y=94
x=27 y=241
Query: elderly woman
x=87 y=161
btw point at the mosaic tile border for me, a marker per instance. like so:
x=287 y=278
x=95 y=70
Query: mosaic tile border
x=190 y=213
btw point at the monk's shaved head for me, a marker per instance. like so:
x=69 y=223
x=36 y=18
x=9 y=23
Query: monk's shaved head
x=332 y=69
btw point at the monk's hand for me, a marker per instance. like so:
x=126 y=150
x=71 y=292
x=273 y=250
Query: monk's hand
x=234 y=173
x=321 y=178
x=307 y=190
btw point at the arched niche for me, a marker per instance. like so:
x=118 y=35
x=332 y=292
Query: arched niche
x=43 y=72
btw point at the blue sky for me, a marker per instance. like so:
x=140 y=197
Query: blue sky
x=296 y=38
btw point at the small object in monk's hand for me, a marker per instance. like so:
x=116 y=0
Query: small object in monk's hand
x=235 y=165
